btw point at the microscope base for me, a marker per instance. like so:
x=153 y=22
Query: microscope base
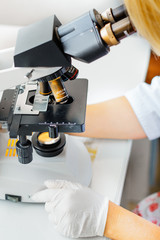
x=19 y=182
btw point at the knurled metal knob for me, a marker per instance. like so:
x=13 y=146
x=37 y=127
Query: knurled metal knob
x=24 y=152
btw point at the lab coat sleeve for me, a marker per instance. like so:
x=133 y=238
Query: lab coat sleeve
x=145 y=101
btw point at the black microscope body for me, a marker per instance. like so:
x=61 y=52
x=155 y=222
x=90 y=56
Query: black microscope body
x=56 y=103
x=49 y=44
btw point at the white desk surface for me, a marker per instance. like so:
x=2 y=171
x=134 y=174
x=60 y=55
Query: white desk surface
x=30 y=221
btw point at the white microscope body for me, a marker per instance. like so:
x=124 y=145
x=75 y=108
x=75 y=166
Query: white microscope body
x=19 y=182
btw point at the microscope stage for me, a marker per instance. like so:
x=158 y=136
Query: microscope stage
x=18 y=182
x=69 y=117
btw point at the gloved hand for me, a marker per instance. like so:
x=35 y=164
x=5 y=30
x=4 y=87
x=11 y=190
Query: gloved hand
x=75 y=210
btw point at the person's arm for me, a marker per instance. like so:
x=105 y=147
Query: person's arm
x=77 y=211
x=122 y=224
x=133 y=116
x=112 y=119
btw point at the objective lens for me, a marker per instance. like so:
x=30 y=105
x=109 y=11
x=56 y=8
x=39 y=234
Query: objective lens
x=44 y=88
x=59 y=91
x=71 y=73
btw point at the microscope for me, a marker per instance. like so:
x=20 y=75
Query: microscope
x=49 y=100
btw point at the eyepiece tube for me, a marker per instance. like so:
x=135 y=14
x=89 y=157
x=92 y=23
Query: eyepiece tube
x=121 y=26
x=114 y=15
x=113 y=33
x=107 y=15
x=119 y=13
x=108 y=36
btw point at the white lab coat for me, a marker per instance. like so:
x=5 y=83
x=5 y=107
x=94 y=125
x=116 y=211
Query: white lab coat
x=145 y=101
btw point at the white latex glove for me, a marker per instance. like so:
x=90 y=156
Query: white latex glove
x=75 y=210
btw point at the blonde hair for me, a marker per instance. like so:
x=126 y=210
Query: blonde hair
x=145 y=15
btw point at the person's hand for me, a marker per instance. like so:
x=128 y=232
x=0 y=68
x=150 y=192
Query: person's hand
x=75 y=210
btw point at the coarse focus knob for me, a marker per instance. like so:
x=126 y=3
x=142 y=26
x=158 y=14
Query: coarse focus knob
x=24 y=152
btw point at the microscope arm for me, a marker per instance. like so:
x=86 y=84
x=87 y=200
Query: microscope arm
x=20 y=75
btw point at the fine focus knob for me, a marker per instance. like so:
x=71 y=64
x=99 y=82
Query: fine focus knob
x=53 y=131
x=24 y=152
